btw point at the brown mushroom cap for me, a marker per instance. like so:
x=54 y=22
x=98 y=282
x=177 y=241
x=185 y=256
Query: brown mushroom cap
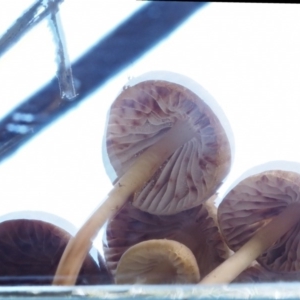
x=142 y=113
x=251 y=204
x=157 y=262
x=194 y=228
x=30 y=251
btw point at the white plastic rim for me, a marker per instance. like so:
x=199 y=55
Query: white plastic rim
x=189 y=84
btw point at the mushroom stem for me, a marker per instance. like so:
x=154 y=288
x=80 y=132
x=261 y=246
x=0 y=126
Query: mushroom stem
x=139 y=173
x=262 y=240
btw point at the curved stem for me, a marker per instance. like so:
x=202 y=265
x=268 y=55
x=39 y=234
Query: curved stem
x=140 y=172
x=260 y=242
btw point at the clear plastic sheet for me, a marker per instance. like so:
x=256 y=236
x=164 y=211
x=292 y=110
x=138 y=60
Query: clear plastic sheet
x=286 y=291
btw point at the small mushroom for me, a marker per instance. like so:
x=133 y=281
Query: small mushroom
x=157 y=262
x=259 y=219
x=195 y=228
x=30 y=251
x=149 y=121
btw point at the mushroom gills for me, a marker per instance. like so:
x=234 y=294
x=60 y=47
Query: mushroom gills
x=30 y=251
x=143 y=113
x=195 y=228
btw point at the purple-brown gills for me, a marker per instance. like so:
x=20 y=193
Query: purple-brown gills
x=142 y=114
x=194 y=228
x=30 y=251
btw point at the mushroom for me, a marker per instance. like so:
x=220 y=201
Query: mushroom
x=30 y=251
x=157 y=262
x=259 y=219
x=162 y=116
x=146 y=110
x=194 y=228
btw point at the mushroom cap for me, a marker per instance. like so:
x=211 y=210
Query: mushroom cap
x=252 y=203
x=157 y=262
x=30 y=251
x=57 y=221
x=147 y=107
x=194 y=228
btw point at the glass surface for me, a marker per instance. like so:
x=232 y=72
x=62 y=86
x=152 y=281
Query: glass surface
x=288 y=291
x=245 y=55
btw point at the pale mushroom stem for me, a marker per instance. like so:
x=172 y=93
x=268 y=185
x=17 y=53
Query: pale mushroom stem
x=261 y=241
x=140 y=172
